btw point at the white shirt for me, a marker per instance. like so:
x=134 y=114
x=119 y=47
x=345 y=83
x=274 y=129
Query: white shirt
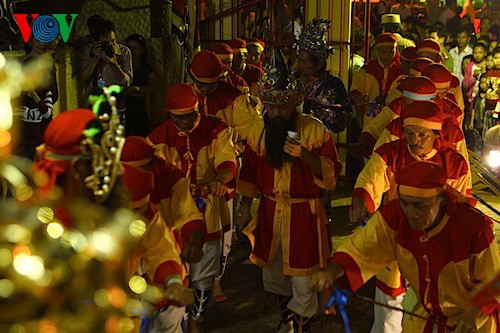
x=457 y=60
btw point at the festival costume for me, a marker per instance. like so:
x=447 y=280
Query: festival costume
x=250 y=73
x=261 y=45
x=224 y=51
x=374 y=79
x=444 y=265
x=199 y=154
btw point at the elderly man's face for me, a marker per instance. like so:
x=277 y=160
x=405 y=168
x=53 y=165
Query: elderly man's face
x=420 y=139
x=421 y=213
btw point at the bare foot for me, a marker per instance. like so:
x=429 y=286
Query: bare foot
x=218 y=294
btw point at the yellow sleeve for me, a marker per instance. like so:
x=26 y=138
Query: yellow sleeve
x=240 y=115
x=372 y=182
x=459 y=97
x=462 y=149
x=225 y=154
x=358 y=82
x=385 y=137
x=485 y=265
x=461 y=184
x=380 y=122
x=159 y=247
x=366 y=252
x=393 y=94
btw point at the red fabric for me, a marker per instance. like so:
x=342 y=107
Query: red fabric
x=409 y=53
x=136 y=148
x=389 y=290
x=428 y=44
x=420 y=85
x=180 y=96
x=375 y=68
x=469 y=82
x=386 y=37
x=438 y=73
x=256 y=40
x=237 y=43
x=221 y=49
x=450 y=107
x=430 y=175
x=165 y=269
x=420 y=63
x=425 y=110
x=206 y=65
x=251 y=74
x=352 y=278
x=138 y=182
x=223 y=96
x=235 y=80
x=363 y=194
x=189 y=227
x=455 y=81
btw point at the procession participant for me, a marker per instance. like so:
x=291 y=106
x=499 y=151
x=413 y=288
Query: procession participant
x=249 y=73
x=256 y=55
x=439 y=242
x=225 y=54
x=416 y=68
x=289 y=235
x=429 y=48
x=201 y=147
x=137 y=152
x=371 y=83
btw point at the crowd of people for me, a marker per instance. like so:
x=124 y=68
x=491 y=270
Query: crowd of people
x=250 y=131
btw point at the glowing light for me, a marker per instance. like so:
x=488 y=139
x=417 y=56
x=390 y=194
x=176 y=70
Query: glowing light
x=17 y=328
x=5 y=257
x=5 y=110
x=30 y=266
x=15 y=233
x=117 y=297
x=126 y=324
x=21 y=249
x=494 y=159
x=5 y=138
x=137 y=228
x=6 y=288
x=47 y=326
x=112 y=324
x=55 y=230
x=75 y=240
x=138 y=284
x=45 y=214
x=103 y=242
x=23 y=192
x=101 y=298
x=45 y=280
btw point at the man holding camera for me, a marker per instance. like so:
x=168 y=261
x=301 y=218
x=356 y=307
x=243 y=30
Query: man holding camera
x=105 y=62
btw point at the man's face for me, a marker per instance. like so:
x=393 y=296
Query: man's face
x=307 y=67
x=185 y=122
x=284 y=111
x=420 y=139
x=434 y=36
x=205 y=88
x=254 y=54
x=109 y=37
x=421 y=213
x=485 y=25
x=463 y=39
x=478 y=54
x=238 y=62
x=386 y=54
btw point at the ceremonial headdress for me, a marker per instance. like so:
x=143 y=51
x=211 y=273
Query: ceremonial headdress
x=223 y=51
x=419 y=88
x=409 y=53
x=314 y=39
x=181 y=99
x=390 y=19
x=386 y=39
x=439 y=74
x=206 y=67
x=425 y=114
x=139 y=184
x=428 y=45
x=279 y=85
x=256 y=42
x=136 y=151
x=238 y=45
x=421 y=179
x=418 y=66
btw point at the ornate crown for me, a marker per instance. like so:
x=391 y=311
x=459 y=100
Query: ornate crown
x=278 y=84
x=313 y=39
x=104 y=140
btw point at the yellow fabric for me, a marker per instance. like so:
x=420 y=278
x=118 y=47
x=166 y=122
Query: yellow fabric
x=368 y=86
x=392 y=95
x=462 y=149
x=385 y=137
x=374 y=247
x=180 y=208
x=459 y=97
x=240 y=115
x=380 y=122
x=374 y=178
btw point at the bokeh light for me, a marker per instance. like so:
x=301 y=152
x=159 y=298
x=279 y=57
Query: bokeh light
x=6 y=288
x=138 y=284
x=55 y=230
x=30 y=266
x=137 y=228
x=45 y=214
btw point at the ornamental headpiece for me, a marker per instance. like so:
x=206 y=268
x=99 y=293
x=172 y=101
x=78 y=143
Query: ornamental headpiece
x=314 y=39
x=277 y=84
x=104 y=141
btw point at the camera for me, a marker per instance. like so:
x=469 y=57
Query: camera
x=108 y=49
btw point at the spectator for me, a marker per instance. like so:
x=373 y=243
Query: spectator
x=465 y=62
x=409 y=29
x=492 y=46
x=448 y=11
x=144 y=84
x=489 y=62
x=460 y=51
x=485 y=27
x=439 y=35
x=35 y=107
x=475 y=119
x=105 y=62
x=472 y=71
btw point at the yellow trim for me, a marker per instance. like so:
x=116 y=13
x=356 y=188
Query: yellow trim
x=414 y=72
x=382 y=44
x=204 y=79
x=423 y=123
x=184 y=110
x=427 y=49
x=139 y=203
x=420 y=192
x=442 y=84
x=259 y=45
x=138 y=163
x=240 y=50
x=224 y=56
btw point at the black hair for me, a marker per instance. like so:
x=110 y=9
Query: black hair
x=464 y=29
x=141 y=40
x=359 y=39
x=495 y=50
x=104 y=27
x=392 y=27
x=484 y=39
x=93 y=23
x=480 y=44
x=440 y=30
